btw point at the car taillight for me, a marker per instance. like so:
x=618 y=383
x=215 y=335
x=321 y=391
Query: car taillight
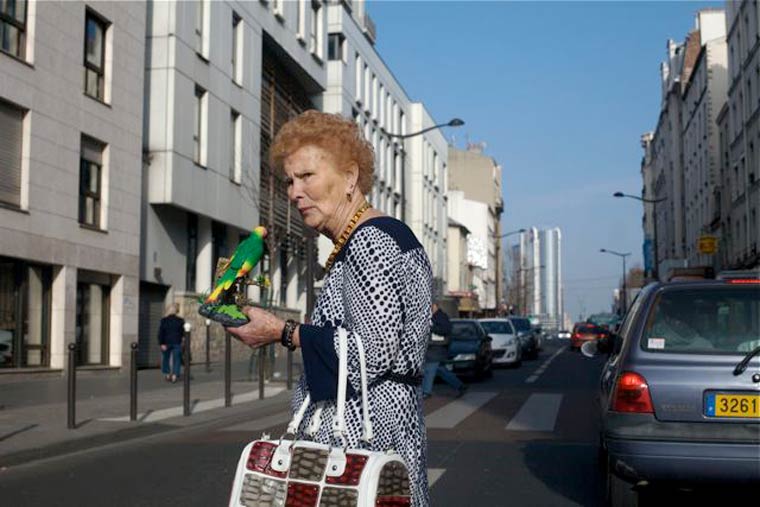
x=577 y=336
x=354 y=467
x=632 y=394
x=744 y=281
x=260 y=458
x=302 y=495
x=393 y=501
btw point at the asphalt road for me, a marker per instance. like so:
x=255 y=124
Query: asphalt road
x=525 y=437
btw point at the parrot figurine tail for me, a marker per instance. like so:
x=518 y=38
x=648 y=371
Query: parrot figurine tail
x=220 y=304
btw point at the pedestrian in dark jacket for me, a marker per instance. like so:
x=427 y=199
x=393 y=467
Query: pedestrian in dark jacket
x=437 y=353
x=170 y=336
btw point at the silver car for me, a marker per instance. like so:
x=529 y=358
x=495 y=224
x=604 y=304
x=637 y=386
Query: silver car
x=680 y=393
x=506 y=348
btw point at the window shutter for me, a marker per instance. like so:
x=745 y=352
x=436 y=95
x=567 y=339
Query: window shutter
x=11 y=134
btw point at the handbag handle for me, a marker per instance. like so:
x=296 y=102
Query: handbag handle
x=339 y=423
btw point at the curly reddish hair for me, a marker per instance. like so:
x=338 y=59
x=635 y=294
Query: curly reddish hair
x=337 y=135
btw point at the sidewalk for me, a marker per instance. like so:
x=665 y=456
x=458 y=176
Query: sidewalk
x=33 y=413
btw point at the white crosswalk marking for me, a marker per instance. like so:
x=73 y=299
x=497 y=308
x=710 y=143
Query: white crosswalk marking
x=458 y=410
x=538 y=413
x=434 y=474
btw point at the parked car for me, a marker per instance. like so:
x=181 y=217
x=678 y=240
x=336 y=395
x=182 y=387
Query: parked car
x=564 y=334
x=505 y=347
x=526 y=335
x=469 y=348
x=680 y=392
x=586 y=331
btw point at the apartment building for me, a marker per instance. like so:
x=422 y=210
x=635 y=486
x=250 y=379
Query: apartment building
x=70 y=181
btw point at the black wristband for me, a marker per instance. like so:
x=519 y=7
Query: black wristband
x=286 y=339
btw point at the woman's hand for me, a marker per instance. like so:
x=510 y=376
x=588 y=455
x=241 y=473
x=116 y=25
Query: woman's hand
x=263 y=328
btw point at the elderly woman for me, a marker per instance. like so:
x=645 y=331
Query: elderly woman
x=377 y=286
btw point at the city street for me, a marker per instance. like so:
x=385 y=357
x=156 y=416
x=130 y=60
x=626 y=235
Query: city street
x=525 y=437
x=526 y=434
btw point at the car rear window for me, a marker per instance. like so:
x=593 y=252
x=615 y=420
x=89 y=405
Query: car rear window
x=496 y=327
x=521 y=324
x=464 y=331
x=710 y=320
x=587 y=328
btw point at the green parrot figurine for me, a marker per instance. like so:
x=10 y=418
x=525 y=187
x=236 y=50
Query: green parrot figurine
x=217 y=306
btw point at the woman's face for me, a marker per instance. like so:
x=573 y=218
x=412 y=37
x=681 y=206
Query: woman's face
x=318 y=188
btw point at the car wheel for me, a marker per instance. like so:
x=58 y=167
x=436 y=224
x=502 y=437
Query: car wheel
x=619 y=492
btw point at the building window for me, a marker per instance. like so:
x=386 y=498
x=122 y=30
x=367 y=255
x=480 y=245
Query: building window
x=191 y=252
x=235 y=169
x=301 y=20
x=200 y=21
x=95 y=56
x=198 y=125
x=90 y=182
x=315 y=37
x=278 y=9
x=358 y=77
x=237 y=48
x=25 y=296
x=13 y=27
x=11 y=142
x=336 y=47
x=92 y=319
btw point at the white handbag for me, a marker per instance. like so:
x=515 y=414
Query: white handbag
x=301 y=473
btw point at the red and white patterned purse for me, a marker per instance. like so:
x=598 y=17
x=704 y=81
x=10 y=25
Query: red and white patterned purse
x=301 y=473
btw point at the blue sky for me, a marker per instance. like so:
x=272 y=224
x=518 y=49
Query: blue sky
x=561 y=93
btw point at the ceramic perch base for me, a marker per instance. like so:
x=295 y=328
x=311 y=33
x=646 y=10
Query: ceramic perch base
x=228 y=315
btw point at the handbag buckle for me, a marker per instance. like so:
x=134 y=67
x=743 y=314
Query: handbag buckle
x=336 y=462
x=281 y=458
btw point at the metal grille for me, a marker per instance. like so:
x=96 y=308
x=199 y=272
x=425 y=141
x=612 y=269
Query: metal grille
x=282 y=98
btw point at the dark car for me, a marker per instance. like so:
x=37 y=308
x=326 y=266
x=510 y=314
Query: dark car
x=526 y=333
x=470 y=348
x=680 y=392
x=586 y=331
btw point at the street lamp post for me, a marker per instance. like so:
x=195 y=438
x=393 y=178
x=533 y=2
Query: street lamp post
x=455 y=122
x=624 y=299
x=653 y=202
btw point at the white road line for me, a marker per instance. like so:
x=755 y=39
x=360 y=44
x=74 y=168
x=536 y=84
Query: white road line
x=458 y=410
x=538 y=413
x=202 y=406
x=434 y=474
x=541 y=369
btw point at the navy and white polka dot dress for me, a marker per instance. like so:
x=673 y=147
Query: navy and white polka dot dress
x=379 y=287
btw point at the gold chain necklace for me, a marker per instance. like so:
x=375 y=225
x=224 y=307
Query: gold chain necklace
x=344 y=237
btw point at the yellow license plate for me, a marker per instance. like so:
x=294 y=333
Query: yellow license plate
x=733 y=405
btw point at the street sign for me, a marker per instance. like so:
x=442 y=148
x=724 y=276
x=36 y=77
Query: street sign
x=707 y=244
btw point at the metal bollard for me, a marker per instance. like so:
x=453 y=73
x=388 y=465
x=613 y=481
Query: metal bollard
x=72 y=394
x=262 y=358
x=133 y=382
x=227 y=369
x=208 y=346
x=186 y=376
